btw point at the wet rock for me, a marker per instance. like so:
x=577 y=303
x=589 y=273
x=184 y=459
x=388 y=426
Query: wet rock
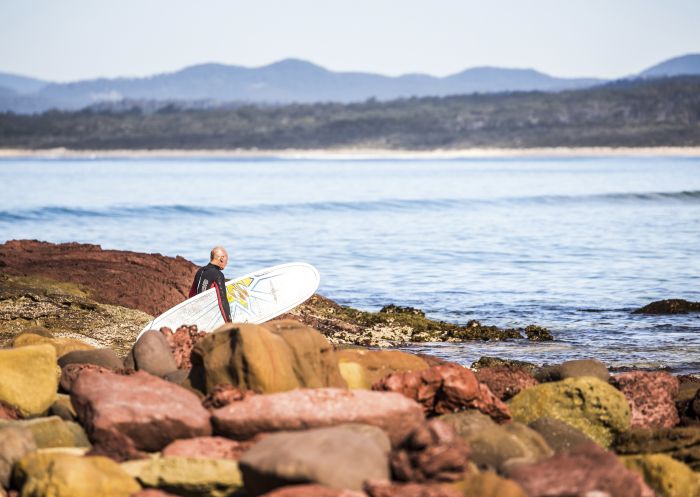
x=151 y=353
x=223 y=395
x=489 y=485
x=584 y=471
x=445 y=389
x=433 y=452
x=495 y=446
x=559 y=435
x=29 y=378
x=573 y=369
x=669 y=306
x=207 y=448
x=594 y=407
x=52 y=432
x=315 y=408
x=182 y=342
x=105 y=403
x=504 y=381
x=17 y=441
x=193 y=477
x=651 y=397
x=681 y=443
x=362 y=368
x=493 y=362
x=100 y=357
x=273 y=358
x=62 y=345
x=666 y=476
x=341 y=457
x=390 y=489
x=312 y=491
x=63 y=475
x=538 y=333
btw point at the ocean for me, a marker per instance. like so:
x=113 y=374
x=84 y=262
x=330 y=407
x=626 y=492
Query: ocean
x=572 y=244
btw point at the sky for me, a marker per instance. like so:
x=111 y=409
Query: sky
x=66 y=40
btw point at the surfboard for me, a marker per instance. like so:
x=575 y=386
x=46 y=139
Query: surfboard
x=253 y=298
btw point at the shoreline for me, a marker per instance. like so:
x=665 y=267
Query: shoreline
x=354 y=153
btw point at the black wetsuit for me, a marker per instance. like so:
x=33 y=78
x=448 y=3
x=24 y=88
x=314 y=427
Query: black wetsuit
x=211 y=276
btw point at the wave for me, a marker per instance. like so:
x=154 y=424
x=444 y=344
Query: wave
x=390 y=205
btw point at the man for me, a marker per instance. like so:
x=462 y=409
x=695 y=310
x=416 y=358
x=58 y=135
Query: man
x=211 y=276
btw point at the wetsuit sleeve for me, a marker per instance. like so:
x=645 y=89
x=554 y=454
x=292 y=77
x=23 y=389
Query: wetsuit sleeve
x=220 y=284
x=195 y=281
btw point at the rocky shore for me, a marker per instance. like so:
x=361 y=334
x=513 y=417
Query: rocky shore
x=287 y=409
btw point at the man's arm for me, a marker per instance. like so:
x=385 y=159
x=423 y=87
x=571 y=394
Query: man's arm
x=220 y=285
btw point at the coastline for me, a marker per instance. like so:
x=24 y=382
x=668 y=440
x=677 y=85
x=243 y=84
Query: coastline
x=354 y=153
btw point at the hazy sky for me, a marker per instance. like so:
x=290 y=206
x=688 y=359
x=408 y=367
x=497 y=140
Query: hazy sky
x=76 y=39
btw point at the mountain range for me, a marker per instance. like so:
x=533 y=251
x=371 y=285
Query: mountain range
x=292 y=81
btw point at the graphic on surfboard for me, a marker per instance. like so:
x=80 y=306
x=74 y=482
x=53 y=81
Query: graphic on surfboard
x=254 y=298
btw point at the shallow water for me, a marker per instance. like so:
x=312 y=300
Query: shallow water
x=570 y=244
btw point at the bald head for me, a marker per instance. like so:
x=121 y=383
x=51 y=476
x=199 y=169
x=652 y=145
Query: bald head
x=219 y=257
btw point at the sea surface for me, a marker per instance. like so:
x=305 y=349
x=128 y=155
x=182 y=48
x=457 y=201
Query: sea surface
x=571 y=244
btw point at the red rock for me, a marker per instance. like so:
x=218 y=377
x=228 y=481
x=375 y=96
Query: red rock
x=387 y=489
x=150 y=411
x=208 y=447
x=70 y=373
x=651 y=397
x=181 y=343
x=580 y=472
x=223 y=395
x=445 y=389
x=9 y=412
x=312 y=491
x=433 y=452
x=314 y=408
x=117 y=446
x=506 y=382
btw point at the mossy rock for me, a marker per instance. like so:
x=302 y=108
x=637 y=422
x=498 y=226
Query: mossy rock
x=62 y=345
x=589 y=404
x=668 y=477
x=362 y=368
x=29 y=378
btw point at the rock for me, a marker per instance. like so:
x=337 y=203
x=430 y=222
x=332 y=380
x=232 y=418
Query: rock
x=688 y=399
x=504 y=381
x=651 y=397
x=681 y=443
x=492 y=362
x=362 y=368
x=445 y=389
x=390 y=489
x=559 y=435
x=62 y=345
x=341 y=457
x=594 y=407
x=52 y=432
x=8 y=412
x=223 y=395
x=316 y=408
x=148 y=410
x=152 y=492
x=100 y=357
x=179 y=377
x=538 y=333
x=488 y=485
x=151 y=353
x=669 y=306
x=494 y=446
x=182 y=342
x=194 y=477
x=584 y=471
x=63 y=475
x=207 y=448
x=666 y=476
x=70 y=373
x=433 y=452
x=29 y=378
x=17 y=441
x=63 y=408
x=312 y=491
x=573 y=369
x=281 y=357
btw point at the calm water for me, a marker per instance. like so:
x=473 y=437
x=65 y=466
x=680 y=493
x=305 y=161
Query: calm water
x=570 y=244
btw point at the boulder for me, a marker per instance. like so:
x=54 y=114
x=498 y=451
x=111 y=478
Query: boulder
x=651 y=397
x=669 y=306
x=445 y=389
x=504 y=381
x=361 y=368
x=391 y=489
x=194 y=477
x=573 y=369
x=151 y=353
x=17 y=441
x=433 y=452
x=71 y=372
x=53 y=474
x=316 y=408
x=52 y=432
x=29 y=378
x=100 y=357
x=62 y=345
x=282 y=356
x=207 y=448
x=312 y=491
x=681 y=443
x=63 y=408
x=589 y=404
x=584 y=471
x=182 y=342
x=341 y=457
x=494 y=446
x=488 y=484
x=149 y=411
x=559 y=435
x=666 y=476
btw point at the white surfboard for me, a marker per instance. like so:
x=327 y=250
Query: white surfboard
x=254 y=298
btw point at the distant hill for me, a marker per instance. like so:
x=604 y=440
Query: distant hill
x=678 y=66
x=20 y=84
